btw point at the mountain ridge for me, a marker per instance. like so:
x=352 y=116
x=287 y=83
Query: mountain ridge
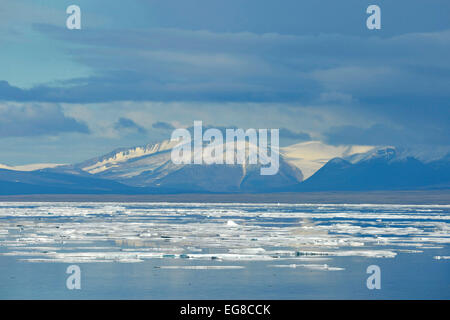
x=148 y=169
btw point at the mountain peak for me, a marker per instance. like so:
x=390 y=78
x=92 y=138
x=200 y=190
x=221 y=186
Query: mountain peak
x=152 y=166
x=337 y=161
x=386 y=153
x=114 y=158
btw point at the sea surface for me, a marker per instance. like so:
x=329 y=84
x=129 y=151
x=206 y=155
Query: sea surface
x=223 y=251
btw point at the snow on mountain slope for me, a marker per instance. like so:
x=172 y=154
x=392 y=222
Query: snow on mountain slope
x=383 y=168
x=152 y=166
x=312 y=155
x=115 y=158
x=425 y=154
x=153 y=160
x=150 y=169
x=31 y=167
x=387 y=153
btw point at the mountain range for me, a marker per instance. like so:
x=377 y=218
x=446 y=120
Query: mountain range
x=308 y=166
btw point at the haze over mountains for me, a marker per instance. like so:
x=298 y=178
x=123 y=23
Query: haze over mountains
x=308 y=166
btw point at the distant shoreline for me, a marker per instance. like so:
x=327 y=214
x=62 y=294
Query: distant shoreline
x=338 y=197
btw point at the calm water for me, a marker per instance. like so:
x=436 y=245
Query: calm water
x=224 y=251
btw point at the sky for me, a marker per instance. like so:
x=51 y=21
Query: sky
x=138 y=69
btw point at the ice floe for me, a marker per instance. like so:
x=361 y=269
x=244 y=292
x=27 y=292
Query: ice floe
x=441 y=257
x=93 y=232
x=308 y=266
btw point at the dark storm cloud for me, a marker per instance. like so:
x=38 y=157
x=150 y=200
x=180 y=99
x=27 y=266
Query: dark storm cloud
x=128 y=124
x=183 y=65
x=307 y=54
x=34 y=120
x=299 y=136
x=162 y=125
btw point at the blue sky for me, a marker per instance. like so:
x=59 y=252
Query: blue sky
x=136 y=70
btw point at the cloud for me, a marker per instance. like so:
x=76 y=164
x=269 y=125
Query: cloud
x=284 y=133
x=389 y=76
x=125 y=124
x=11 y=93
x=162 y=125
x=299 y=136
x=398 y=75
x=382 y=134
x=36 y=119
x=402 y=78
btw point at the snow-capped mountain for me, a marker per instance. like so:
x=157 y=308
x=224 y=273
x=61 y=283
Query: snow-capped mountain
x=151 y=166
x=113 y=161
x=388 y=153
x=382 y=168
x=149 y=169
